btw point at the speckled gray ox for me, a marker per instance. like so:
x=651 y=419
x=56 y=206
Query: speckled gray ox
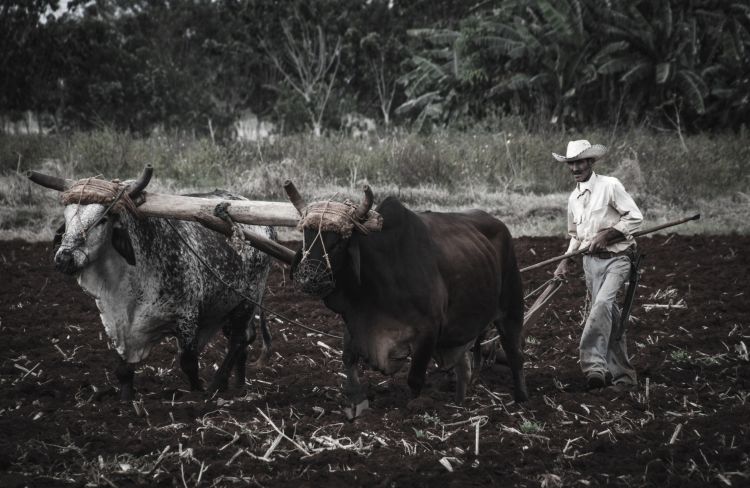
x=149 y=284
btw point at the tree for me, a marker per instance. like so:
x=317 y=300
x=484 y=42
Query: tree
x=28 y=57
x=380 y=56
x=544 y=49
x=533 y=54
x=725 y=50
x=442 y=72
x=652 y=48
x=309 y=61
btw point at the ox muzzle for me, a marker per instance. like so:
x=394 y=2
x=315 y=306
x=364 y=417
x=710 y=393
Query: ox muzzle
x=314 y=277
x=65 y=260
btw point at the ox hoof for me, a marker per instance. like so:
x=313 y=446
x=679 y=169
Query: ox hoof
x=501 y=358
x=219 y=385
x=127 y=395
x=521 y=396
x=420 y=404
x=263 y=361
x=101 y=395
x=357 y=410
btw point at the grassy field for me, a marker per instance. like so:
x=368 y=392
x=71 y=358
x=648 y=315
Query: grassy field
x=507 y=172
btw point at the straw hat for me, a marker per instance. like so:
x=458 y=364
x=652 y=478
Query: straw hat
x=582 y=149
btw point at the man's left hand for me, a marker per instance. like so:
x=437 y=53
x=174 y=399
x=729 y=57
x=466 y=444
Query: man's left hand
x=599 y=242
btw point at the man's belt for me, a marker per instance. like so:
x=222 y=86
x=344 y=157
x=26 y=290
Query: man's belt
x=629 y=252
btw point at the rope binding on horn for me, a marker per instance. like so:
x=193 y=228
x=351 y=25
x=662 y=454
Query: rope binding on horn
x=93 y=190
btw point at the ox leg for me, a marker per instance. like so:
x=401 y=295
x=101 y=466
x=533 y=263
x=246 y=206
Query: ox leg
x=462 y=370
x=265 y=335
x=354 y=390
x=189 y=366
x=476 y=358
x=511 y=338
x=240 y=332
x=420 y=359
x=240 y=368
x=125 y=373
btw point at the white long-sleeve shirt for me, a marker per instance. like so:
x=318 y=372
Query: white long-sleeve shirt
x=597 y=204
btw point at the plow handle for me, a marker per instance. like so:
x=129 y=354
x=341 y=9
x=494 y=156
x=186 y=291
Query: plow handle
x=618 y=239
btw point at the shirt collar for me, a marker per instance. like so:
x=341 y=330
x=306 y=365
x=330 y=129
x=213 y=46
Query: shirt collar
x=587 y=185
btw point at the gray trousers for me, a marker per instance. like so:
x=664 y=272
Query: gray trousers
x=603 y=345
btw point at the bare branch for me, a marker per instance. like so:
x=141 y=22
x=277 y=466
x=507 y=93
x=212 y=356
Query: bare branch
x=308 y=65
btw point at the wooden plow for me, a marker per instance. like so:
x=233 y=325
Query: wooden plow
x=551 y=287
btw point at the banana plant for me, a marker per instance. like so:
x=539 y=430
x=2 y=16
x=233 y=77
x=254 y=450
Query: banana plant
x=652 y=50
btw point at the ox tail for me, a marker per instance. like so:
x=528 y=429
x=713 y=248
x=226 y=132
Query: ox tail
x=512 y=336
x=511 y=293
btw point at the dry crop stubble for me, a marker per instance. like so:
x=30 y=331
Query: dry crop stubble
x=686 y=424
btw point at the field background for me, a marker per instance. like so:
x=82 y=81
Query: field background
x=505 y=171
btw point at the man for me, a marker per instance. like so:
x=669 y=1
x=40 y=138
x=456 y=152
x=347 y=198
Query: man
x=599 y=210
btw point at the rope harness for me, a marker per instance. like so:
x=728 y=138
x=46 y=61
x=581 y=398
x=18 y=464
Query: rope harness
x=89 y=191
x=320 y=282
x=328 y=216
x=230 y=286
x=236 y=240
x=114 y=194
x=325 y=216
x=339 y=217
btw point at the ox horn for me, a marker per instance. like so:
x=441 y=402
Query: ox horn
x=142 y=181
x=48 y=181
x=294 y=196
x=366 y=205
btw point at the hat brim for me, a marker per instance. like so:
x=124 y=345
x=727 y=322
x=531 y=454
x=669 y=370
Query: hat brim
x=594 y=152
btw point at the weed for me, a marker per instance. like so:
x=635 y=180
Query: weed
x=530 y=427
x=680 y=356
x=430 y=419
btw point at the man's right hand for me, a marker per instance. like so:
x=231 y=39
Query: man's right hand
x=562 y=268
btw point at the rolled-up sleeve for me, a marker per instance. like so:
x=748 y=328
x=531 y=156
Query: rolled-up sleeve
x=630 y=215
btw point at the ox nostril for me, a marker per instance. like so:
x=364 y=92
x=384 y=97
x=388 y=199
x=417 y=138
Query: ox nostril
x=64 y=259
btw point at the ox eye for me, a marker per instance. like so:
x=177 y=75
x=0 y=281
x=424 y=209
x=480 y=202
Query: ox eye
x=102 y=221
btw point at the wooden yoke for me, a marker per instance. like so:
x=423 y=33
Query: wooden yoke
x=201 y=210
x=272 y=248
x=250 y=212
x=187 y=208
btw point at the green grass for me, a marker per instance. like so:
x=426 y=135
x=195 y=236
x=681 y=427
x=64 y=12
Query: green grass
x=510 y=174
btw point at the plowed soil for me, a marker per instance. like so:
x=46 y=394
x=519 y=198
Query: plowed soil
x=687 y=424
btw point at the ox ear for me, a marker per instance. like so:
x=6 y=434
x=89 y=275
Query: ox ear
x=121 y=243
x=58 y=238
x=353 y=250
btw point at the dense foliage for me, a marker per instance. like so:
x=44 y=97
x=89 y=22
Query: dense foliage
x=197 y=65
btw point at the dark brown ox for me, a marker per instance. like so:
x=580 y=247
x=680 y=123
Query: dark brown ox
x=424 y=287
